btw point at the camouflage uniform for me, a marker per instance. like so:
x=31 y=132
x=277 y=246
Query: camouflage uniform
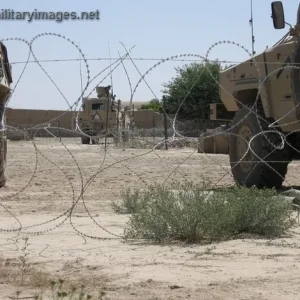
x=3 y=151
x=3 y=147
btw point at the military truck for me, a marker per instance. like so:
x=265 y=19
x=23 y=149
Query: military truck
x=102 y=116
x=261 y=99
x=5 y=91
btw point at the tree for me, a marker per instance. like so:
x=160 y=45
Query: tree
x=153 y=104
x=197 y=85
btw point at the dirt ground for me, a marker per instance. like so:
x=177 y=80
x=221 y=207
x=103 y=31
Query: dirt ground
x=84 y=246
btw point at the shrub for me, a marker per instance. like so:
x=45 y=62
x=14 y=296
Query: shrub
x=188 y=212
x=130 y=202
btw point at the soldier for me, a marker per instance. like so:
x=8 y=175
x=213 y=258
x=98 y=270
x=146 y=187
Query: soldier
x=5 y=81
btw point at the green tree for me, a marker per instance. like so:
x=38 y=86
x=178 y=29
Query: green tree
x=197 y=83
x=153 y=104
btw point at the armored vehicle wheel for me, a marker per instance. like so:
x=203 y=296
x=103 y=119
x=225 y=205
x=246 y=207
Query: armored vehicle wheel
x=265 y=166
x=85 y=140
x=125 y=136
x=95 y=141
x=116 y=139
x=3 y=151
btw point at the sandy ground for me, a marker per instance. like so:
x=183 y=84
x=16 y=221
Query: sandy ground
x=43 y=181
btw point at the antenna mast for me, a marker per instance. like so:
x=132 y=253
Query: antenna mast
x=111 y=80
x=252 y=32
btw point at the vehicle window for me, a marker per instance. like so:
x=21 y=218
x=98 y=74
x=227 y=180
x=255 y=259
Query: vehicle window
x=97 y=106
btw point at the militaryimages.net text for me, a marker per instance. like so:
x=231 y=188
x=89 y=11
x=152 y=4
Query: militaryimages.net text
x=58 y=16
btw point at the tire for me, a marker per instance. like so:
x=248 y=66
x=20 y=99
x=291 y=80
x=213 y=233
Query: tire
x=85 y=140
x=125 y=136
x=259 y=171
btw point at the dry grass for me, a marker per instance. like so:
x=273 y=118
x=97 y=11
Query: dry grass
x=40 y=284
x=10 y=273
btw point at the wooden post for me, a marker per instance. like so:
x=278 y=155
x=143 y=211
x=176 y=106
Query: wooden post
x=118 y=121
x=166 y=130
x=59 y=130
x=165 y=123
x=133 y=111
x=106 y=121
x=153 y=129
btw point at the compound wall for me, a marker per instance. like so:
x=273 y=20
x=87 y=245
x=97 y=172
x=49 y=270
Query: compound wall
x=144 y=119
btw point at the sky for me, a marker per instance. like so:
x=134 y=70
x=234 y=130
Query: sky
x=157 y=29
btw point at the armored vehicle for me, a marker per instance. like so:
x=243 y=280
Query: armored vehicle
x=101 y=116
x=5 y=91
x=261 y=99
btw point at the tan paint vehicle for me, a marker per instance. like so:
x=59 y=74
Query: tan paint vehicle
x=5 y=91
x=277 y=92
x=102 y=116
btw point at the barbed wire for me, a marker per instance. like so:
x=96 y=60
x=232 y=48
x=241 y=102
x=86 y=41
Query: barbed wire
x=177 y=138
x=147 y=59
